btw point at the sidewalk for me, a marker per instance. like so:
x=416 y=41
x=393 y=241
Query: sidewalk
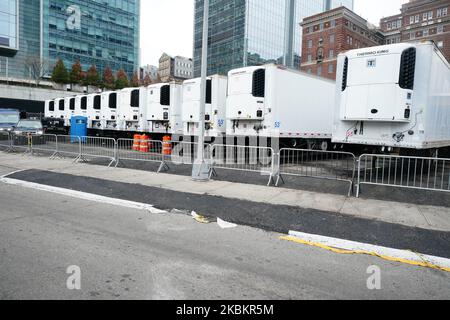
x=421 y=216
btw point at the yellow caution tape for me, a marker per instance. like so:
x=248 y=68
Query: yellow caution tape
x=424 y=263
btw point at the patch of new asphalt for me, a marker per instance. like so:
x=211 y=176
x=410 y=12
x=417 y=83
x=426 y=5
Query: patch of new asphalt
x=276 y=218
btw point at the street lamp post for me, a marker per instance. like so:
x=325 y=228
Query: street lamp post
x=202 y=168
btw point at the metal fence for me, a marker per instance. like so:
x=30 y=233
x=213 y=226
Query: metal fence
x=5 y=140
x=329 y=165
x=21 y=143
x=404 y=172
x=133 y=150
x=184 y=152
x=68 y=146
x=46 y=143
x=244 y=158
x=96 y=147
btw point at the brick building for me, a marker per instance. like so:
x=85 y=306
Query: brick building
x=420 y=20
x=327 y=34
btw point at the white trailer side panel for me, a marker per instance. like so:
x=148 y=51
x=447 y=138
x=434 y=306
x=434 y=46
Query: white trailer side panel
x=294 y=105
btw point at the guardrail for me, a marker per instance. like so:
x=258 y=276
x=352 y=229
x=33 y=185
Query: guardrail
x=140 y=150
x=244 y=158
x=404 y=172
x=97 y=147
x=329 y=165
x=5 y=140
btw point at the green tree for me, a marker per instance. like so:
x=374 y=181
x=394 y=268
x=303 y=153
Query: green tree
x=108 y=78
x=92 y=76
x=122 y=80
x=76 y=74
x=60 y=74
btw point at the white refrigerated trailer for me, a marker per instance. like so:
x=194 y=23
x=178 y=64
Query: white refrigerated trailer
x=130 y=109
x=271 y=101
x=109 y=110
x=394 y=96
x=49 y=109
x=162 y=113
x=94 y=105
x=215 y=106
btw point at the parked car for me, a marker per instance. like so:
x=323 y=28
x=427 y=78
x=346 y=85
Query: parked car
x=9 y=119
x=25 y=127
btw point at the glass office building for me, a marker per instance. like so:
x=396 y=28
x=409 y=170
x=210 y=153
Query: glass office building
x=254 y=32
x=102 y=33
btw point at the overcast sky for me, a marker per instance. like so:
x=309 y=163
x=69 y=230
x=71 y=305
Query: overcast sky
x=167 y=25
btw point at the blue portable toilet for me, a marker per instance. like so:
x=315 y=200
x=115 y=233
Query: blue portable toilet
x=78 y=128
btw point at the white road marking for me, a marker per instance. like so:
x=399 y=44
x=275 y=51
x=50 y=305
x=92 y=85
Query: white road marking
x=382 y=251
x=82 y=195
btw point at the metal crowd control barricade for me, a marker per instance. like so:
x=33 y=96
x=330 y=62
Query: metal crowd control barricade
x=46 y=143
x=127 y=150
x=244 y=158
x=99 y=148
x=5 y=141
x=329 y=165
x=21 y=143
x=181 y=153
x=404 y=172
x=68 y=146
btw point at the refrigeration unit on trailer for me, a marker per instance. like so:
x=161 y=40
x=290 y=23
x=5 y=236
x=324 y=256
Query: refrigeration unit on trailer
x=271 y=101
x=50 y=109
x=130 y=109
x=215 y=106
x=109 y=110
x=163 y=109
x=394 y=96
x=69 y=112
x=94 y=108
x=59 y=108
x=81 y=106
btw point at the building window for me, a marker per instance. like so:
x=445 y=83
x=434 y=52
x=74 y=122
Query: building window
x=425 y=33
x=430 y=15
x=425 y=16
x=417 y=19
x=412 y=35
x=440 y=29
x=441 y=12
x=440 y=44
x=330 y=68
x=332 y=37
x=310 y=44
x=331 y=54
x=309 y=71
x=411 y=20
x=399 y=24
x=309 y=57
x=319 y=54
x=319 y=70
x=333 y=23
x=388 y=26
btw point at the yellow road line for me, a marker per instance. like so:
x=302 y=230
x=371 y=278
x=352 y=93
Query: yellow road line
x=342 y=251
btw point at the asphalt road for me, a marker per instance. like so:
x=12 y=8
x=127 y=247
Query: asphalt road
x=133 y=254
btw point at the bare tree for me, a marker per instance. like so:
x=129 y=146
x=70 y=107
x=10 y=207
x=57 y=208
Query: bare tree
x=37 y=67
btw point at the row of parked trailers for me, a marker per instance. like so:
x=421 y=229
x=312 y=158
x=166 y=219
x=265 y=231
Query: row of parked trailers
x=395 y=96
